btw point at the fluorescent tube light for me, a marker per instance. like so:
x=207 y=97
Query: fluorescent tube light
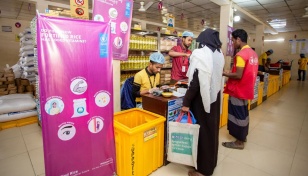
x=275 y=40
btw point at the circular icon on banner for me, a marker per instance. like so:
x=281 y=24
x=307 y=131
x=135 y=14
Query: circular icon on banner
x=123 y=26
x=54 y=106
x=79 y=86
x=98 y=17
x=113 y=13
x=96 y=125
x=79 y=11
x=102 y=99
x=118 y=42
x=66 y=132
x=79 y=2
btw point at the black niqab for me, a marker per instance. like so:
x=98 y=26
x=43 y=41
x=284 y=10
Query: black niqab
x=209 y=38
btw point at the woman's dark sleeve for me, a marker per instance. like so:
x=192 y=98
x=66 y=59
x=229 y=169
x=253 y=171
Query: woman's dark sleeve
x=193 y=90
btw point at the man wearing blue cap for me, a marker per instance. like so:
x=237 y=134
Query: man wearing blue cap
x=180 y=54
x=302 y=67
x=263 y=58
x=146 y=80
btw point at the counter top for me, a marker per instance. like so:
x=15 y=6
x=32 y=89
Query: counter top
x=160 y=98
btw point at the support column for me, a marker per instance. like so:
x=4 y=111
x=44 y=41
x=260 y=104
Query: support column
x=259 y=43
x=143 y=25
x=116 y=85
x=41 y=5
x=226 y=19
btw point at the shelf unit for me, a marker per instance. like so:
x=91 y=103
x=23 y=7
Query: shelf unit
x=138 y=57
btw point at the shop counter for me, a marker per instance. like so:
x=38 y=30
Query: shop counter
x=156 y=104
x=167 y=107
x=286 y=77
x=273 y=85
x=260 y=93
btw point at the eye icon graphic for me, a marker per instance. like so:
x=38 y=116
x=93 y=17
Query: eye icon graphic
x=66 y=132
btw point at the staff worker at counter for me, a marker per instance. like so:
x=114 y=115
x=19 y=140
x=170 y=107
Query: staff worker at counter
x=180 y=55
x=263 y=59
x=146 y=80
x=302 y=67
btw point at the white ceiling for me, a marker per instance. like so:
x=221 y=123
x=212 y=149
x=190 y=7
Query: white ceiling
x=194 y=11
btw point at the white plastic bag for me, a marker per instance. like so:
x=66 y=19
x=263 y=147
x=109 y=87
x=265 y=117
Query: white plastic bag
x=183 y=143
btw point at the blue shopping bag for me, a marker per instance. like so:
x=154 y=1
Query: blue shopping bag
x=186 y=118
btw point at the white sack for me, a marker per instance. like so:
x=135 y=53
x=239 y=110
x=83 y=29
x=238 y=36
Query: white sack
x=17 y=115
x=14 y=105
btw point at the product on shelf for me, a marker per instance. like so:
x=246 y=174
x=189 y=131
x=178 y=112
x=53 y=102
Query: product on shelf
x=168 y=61
x=135 y=62
x=165 y=76
x=125 y=76
x=167 y=43
x=138 y=42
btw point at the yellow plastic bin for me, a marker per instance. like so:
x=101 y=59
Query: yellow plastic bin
x=224 y=115
x=139 y=138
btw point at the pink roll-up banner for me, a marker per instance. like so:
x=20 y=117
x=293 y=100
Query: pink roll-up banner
x=119 y=14
x=76 y=96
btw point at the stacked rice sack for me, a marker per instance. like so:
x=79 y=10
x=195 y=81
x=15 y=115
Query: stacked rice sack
x=36 y=85
x=29 y=70
x=17 y=106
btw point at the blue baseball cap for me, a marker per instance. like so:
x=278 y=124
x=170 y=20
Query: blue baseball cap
x=187 y=34
x=157 y=57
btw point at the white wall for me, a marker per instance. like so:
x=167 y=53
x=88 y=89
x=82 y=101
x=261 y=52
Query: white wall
x=9 y=48
x=282 y=49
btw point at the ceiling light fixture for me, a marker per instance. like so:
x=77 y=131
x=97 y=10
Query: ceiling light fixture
x=237 y=18
x=143 y=7
x=275 y=40
x=278 y=23
x=306 y=14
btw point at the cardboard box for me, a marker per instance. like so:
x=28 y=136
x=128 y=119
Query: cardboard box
x=3 y=86
x=18 y=81
x=4 y=93
x=11 y=78
x=24 y=82
x=30 y=88
x=12 y=91
x=3 y=79
x=21 y=89
x=9 y=75
x=9 y=82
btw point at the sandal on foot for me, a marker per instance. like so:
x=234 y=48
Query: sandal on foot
x=233 y=145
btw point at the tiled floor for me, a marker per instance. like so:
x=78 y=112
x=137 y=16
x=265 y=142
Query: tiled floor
x=277 y=143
